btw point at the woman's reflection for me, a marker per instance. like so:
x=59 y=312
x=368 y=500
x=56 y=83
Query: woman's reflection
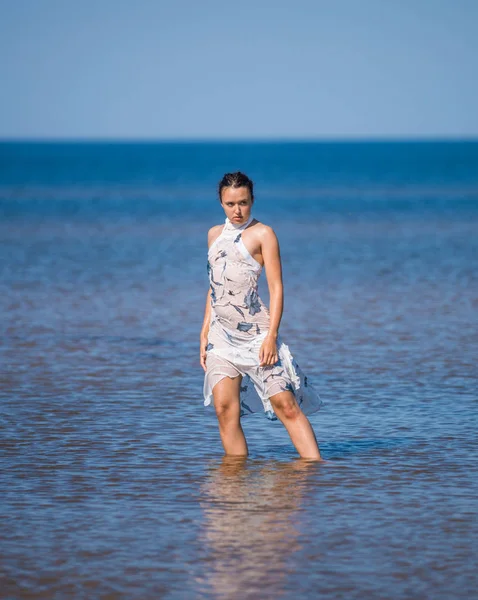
x=252 y=511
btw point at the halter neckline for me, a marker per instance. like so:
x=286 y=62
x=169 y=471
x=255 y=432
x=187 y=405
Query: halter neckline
x=231 y=225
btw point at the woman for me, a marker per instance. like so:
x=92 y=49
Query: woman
x=247 y=366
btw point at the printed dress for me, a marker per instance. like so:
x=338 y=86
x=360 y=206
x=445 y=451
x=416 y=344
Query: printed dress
x=238 y=325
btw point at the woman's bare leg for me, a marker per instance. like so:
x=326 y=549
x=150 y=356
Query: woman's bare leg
x=228 y=410
x=297 y=424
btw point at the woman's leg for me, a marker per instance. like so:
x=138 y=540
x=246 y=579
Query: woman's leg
x=297 y=424
x=228 y=410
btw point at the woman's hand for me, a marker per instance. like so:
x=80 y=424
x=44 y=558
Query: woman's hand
x=202 y=351
x=268 y=353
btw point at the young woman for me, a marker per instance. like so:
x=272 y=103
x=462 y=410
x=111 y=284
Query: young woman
x=247 y=366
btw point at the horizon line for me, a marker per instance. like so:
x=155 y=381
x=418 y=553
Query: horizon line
x=239 y=140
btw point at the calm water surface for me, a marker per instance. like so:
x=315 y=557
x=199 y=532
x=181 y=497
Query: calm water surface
x=113 y=480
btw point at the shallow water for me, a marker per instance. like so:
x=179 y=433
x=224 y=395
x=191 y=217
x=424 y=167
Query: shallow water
x=113 y=480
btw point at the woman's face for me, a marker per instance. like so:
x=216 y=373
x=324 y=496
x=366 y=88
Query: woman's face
x=237 y=204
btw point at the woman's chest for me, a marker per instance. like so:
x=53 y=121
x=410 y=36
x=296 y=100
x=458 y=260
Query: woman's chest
x=232 y=261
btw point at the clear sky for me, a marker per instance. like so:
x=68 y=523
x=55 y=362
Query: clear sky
x=204 y=69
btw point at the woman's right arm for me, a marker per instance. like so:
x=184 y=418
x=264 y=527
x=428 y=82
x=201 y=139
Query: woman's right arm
x=205 y=331
x=207 y=315
x=211 y=236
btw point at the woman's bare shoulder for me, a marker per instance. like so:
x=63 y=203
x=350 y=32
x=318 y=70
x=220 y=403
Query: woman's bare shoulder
x=264 y=231
x=213 y=233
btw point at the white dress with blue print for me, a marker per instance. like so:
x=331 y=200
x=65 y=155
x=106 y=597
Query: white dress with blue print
x=239 y=323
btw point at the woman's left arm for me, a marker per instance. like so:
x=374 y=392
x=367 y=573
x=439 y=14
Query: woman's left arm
x=271 y=254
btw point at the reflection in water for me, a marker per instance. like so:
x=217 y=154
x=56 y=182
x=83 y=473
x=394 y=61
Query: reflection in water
x=250 y=522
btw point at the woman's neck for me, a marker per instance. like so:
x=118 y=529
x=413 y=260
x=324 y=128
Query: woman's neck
x=239 y=225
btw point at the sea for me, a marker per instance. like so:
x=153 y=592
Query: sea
x=113 y=480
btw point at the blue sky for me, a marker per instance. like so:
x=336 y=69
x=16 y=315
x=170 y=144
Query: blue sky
x=251 y=69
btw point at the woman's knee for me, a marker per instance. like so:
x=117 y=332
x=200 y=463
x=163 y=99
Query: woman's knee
x=224 y=407
x=285 y=404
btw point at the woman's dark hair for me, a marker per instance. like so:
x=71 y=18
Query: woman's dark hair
x=236 y=180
